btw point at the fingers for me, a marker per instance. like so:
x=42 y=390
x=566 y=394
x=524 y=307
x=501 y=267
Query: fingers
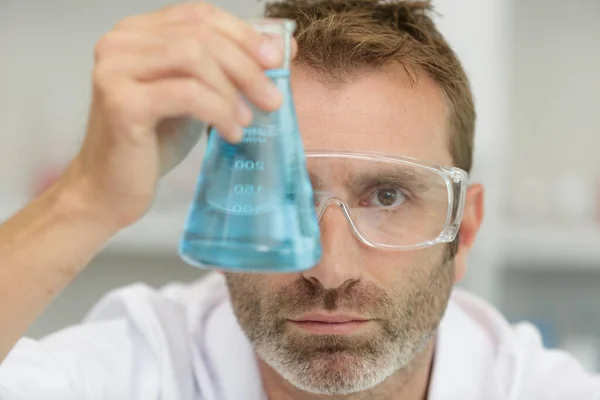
x=188 y=51
x=209 y=16
x=240 y=68
x=245 y=73
x=194 y=98
x=147 y=58
x=189 y=59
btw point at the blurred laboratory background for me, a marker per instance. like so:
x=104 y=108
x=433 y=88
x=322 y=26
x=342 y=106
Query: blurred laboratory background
x=534 y=68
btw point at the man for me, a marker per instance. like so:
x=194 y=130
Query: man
x=380 y=93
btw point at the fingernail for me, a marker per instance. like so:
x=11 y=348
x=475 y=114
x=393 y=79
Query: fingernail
x=273 y=94
x=269 y=52
x=244 y=114
x=237 y=133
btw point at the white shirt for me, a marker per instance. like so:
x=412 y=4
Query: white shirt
x=183 y=342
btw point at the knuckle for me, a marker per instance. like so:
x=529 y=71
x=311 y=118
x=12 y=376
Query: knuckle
x=116 y=101
x=103 y=74
x=189 y=93
x=124 y=105
x=125 y=23
x=186 y=54
x=206 y=34
x=251 y=78
x=187 y=61
x=121 y=25
x=100 y=76
x=104 y=46
x=253 y=37
x=203 y=10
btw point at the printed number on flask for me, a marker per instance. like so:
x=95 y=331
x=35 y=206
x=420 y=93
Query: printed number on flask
x=249 y=165
x=239 y=189
x=245 y=209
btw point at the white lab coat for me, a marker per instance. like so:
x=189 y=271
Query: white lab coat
x=183 y=343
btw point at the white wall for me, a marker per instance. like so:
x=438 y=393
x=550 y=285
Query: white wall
x=480 y=32
x=552 y=201
x=556 y=123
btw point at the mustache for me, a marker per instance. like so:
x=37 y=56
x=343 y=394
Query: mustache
x=303 y=296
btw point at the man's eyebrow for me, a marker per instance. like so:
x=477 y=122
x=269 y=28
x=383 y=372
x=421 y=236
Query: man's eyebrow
x=391 y=176
x=395 y=175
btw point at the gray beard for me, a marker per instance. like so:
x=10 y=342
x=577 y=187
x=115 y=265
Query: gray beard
x=336 y=364
x=337 y=371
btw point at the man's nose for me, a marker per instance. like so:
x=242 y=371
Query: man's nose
x=341 y=260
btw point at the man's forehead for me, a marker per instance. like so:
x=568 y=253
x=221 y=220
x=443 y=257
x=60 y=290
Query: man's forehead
x=367 y=174
x=381 y=111
x=345 y=167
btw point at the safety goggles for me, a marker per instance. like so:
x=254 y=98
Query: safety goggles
x=389 y=201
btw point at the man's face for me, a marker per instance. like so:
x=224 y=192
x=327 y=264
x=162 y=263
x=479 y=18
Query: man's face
x=402 y=295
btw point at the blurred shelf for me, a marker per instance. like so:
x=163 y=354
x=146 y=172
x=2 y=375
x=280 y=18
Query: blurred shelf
x=156 y=233
x=524 y=246
x=551 y=247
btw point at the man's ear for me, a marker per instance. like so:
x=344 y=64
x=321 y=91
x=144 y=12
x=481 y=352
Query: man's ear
x=469 y=228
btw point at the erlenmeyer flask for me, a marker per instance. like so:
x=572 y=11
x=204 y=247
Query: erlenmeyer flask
x=253 y=209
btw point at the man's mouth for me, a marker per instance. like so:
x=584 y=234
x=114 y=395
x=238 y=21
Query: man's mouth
x=341 y=324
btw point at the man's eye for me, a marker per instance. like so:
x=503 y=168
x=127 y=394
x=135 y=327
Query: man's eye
x=386 y=197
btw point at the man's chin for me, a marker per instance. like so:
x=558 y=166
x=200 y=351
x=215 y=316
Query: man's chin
x=338 y=354
x=329 y=364
x=333 y=372
x=339 y=361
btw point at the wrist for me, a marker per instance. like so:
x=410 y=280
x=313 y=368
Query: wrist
x=73 y=196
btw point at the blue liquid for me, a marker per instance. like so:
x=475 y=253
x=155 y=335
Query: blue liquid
x=253 y=209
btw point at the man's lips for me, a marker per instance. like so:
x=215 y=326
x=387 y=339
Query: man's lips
x=329 y=323
x=330 y=318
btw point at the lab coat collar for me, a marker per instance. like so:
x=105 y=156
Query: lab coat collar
x=233 y=365
x=463 y=366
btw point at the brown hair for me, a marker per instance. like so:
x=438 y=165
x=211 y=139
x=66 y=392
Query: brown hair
x=340 y=38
